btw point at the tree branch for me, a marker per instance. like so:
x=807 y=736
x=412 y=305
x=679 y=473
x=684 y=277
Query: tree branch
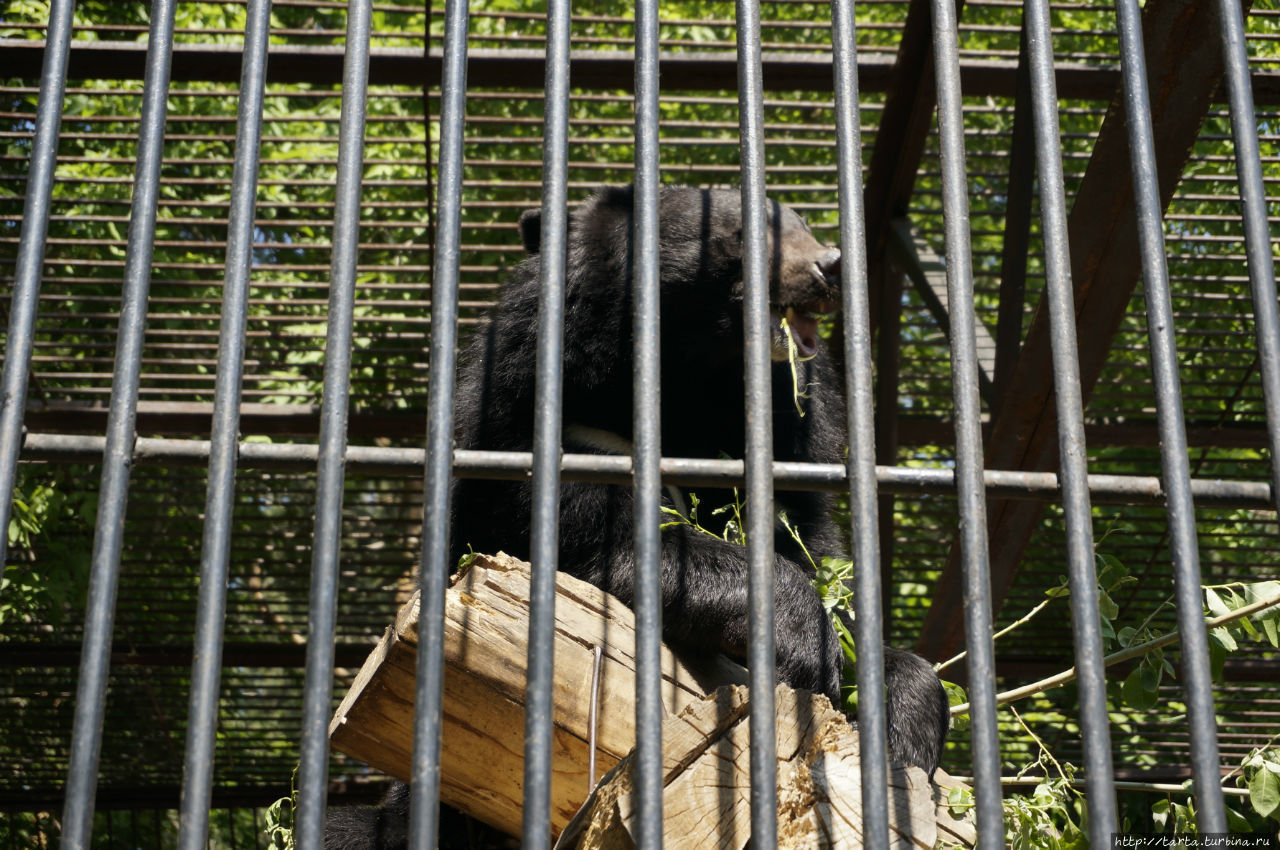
x=1126 y=654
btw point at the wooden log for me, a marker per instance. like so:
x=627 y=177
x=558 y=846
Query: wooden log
x=706 y=795
x=482 y=750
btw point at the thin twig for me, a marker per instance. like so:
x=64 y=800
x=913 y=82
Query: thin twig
x=1233 y=770
x=1025 y=617
x=1121 y=785
x=1126 y=654
x=1044 y=751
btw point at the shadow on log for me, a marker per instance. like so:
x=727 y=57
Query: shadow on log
x=482 y=755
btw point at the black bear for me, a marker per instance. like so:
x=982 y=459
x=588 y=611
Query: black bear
x=704 y=578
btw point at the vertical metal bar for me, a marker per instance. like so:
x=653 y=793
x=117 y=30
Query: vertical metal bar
x=1073 y=475
x=313 y=772
x=434 y=570
x=544 y=535
x=647 y=418
x=964 y=377
x=108 y=539
x=872 y=724
x=1253 y=200
x=30 y=260
x=759 y=436
x=1198 y=684
x=202 y=715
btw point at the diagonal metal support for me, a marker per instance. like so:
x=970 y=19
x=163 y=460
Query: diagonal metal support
x=900 y=138
x=927 y=271
x=1185 y=69
x=1017 y=234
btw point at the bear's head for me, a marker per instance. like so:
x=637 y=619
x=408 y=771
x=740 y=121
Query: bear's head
x=804 y=280
x=700 y=236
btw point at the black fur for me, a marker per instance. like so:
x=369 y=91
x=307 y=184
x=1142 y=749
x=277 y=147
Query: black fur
x=704 y=579
x=384 y=827
x=917 y=710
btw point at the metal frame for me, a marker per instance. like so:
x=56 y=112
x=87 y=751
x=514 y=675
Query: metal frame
x=647 y=431
x=91 y=695
x=330 y=469
x=206 y=673
x=931 y=30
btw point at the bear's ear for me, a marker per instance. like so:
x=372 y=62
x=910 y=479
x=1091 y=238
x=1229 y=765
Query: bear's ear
x=531 y=230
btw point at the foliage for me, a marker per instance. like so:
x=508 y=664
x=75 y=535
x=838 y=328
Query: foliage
x=44 y=584
x=1052 y=816
x=280 y=818
x=1261 y=775
x=49 y=533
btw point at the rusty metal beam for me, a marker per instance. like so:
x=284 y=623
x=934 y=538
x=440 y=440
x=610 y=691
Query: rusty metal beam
x=900 y=138
x=1185 y=69
x=188 y=419
x=591 y=69
x=1017 y=234
x=888 y=416
x=192 y=419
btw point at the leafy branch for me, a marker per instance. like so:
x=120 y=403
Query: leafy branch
x=1127 y=654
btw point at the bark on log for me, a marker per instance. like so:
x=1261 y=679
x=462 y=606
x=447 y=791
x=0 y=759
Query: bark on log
x=706 y=794
x=482 y=751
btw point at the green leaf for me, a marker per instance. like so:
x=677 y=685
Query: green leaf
x=1160 y=814
x=1264 y=792
x=1150 y=678
x=1225 y=637
x=1214 y=603
x=1135 y=693
x=1107 y=606
x=1237 y=822
x=956 y=696
x=1058 y=592
x=960 y=800
x=1272 y=629
x=1269 y=618
x=1111 y=572
x=1217 y=656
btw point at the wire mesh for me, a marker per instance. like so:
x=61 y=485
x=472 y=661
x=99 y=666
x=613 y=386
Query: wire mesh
x=78 y=316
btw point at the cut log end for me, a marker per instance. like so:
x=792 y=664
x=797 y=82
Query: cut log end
x=705 y=753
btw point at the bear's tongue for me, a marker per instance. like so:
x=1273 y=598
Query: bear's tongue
x=804 y=332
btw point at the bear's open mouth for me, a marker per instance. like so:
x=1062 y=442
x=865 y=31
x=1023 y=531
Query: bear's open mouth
x=801 y=326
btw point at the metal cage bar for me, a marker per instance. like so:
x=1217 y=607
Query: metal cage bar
x=647 y=418
x=968 y=460
x=108 y=538
x=20 y=338
x=120 y=448
x=1197 y=682
x=860 y=393
x=434 y=569
x=211 y=607
x=759 y=432
x=1253 y=201
x=314 y=769
x=682 y=472
x=1069 y=405
x=544 y=530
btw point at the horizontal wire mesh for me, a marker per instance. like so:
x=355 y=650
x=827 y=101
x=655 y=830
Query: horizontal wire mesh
x=382 y=514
